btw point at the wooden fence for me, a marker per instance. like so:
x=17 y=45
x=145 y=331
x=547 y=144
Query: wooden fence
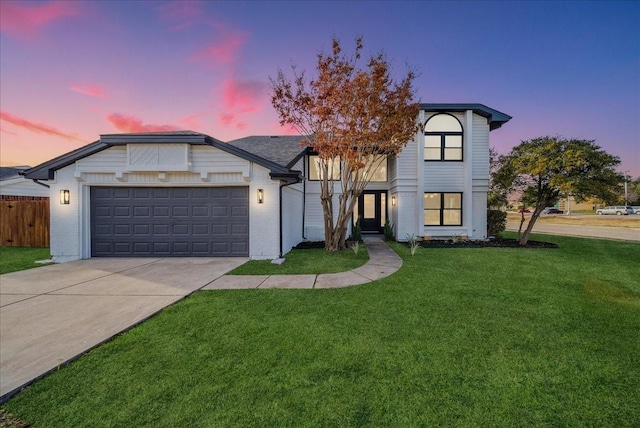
x=24 y=223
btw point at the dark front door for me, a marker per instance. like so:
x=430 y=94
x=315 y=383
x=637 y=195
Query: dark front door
x=372 y=211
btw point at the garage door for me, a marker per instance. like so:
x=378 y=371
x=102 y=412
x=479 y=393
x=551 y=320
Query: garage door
x=179 y=221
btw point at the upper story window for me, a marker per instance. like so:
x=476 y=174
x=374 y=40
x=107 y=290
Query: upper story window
x=443 y=138
x=316 y=171
x=376 y=167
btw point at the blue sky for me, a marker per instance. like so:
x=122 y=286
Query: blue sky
x=73 y=70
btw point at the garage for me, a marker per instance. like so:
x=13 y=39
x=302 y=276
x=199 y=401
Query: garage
x=169 y=221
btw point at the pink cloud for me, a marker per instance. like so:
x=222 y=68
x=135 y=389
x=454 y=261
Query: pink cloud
x=133 y=124
x=278 y=129
x=24 y=19
x=242 y=96
x=192 y=122
x=225 y=50
x=90 y=90
x=37 y=127
x=182 y=14
x=231 y=120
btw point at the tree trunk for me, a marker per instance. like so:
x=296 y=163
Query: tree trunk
x=532 y=221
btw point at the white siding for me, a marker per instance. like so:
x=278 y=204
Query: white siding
x=479 y=226
x=66 y=229
x=111 y=159
x=444 y=176
x=292 y=208
x=264 y=227
x=480 y=149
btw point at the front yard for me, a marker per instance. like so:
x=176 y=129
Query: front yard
x=19 y=258
x=457 y=337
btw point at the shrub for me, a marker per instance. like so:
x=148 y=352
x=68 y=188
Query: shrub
x=356 y=231
x=414 y=243
x=388 y=231
x=496 y=222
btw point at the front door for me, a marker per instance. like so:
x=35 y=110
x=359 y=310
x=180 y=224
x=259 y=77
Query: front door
x=372 y=211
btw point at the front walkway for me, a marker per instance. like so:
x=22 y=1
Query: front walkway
x=382 y=263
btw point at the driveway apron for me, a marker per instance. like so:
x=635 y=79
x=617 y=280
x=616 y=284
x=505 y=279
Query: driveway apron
x=51 y=315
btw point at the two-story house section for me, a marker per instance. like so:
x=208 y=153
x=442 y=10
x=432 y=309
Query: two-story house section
x=183 y=193
x=435 y=188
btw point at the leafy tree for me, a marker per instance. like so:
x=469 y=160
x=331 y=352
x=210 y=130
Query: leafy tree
x=545 y=168
x=496 y=197
x=350 y=114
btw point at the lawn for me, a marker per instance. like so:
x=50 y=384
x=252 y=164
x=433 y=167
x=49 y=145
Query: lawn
x=20 y=258
x=457 y=337
x=308 y=261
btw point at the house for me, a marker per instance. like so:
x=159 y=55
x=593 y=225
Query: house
x=188 y=194
x=14 y=186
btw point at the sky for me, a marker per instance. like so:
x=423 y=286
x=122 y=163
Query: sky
x=70 y=71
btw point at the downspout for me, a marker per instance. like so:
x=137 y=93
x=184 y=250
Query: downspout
x=280 y=200
x=42 y=184
x=304 y=195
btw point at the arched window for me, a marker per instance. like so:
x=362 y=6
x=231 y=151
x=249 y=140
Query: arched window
x=442 y=138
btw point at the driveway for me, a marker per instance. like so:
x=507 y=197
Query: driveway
x=53 y=314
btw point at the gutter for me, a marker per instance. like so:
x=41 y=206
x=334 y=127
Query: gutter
x=35 y=180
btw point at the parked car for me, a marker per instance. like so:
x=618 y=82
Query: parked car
x=615 y=209
x=636 y=210
x=552 y=211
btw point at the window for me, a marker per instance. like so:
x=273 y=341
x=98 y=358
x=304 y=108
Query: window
x=315 y=170
x=443 y=138
x=443 y=209
x=379 y=174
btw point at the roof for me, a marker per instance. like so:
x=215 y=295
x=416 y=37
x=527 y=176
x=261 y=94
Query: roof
x=284 y=150
x=495 y=118
x=9 y=172
x=45 y=171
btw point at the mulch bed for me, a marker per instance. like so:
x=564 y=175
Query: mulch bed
x=497 y=242
x=448 y=243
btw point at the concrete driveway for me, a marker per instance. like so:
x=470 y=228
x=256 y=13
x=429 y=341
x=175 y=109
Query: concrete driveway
x=53 y=314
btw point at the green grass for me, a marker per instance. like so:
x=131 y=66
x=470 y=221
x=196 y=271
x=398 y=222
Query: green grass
x=310 y=261
x=489 y=337
x=20 y=258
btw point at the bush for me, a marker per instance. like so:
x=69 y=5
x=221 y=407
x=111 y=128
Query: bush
x=388 y=230
x=356 y=231
x=496 y=222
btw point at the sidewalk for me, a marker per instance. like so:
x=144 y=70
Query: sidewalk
x=382 y=263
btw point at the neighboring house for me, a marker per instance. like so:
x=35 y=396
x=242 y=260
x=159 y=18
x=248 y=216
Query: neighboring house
x=188 y=194
x=14 y=186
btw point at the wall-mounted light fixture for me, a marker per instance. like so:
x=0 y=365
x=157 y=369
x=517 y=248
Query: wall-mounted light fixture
x=64 y=197
x=260 y=196
x=393 y=201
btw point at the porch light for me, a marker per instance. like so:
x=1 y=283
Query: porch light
x=64 y=197
x=393 y=201
x=260 y=196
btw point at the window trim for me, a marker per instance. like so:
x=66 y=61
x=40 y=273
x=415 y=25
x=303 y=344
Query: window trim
x=442 y=135
x=309 y=157
x=441 y=210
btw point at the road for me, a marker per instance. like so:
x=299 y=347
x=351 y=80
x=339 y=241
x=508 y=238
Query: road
x=607 y=232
